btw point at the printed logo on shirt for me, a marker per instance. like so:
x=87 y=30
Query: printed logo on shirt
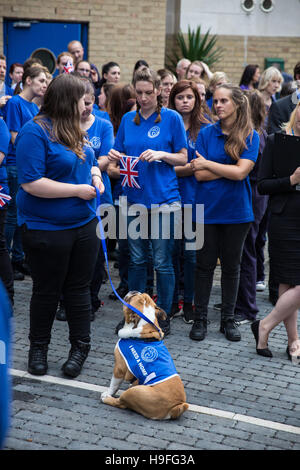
x=95 y=142
x=154 y=132
x=191 y=144
x=149 y=354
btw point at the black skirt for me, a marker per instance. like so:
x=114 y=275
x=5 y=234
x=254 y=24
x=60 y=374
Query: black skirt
x=284 y=243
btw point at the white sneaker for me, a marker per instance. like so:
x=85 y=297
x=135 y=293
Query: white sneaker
x=260 y=286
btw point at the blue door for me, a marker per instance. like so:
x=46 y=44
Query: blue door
x=22 y=37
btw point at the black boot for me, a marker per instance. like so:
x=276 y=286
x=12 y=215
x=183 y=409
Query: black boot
x=199 y=328
x=78 y=353
x=230 y=329
x=37 y=359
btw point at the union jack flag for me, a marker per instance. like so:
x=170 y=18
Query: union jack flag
x=69 y=67
x=4 y=198
x=127 y=165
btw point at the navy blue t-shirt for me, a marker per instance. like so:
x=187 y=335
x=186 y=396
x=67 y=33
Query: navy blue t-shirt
x=157 y=180
x=225 y=201
x=39 y=157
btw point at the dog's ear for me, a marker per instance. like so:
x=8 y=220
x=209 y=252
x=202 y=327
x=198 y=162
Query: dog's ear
x=160 y=313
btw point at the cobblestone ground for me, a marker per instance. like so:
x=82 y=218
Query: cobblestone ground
x=217 y=374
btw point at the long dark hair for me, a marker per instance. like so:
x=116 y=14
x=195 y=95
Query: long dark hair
x=105 y=69
x=248 y=73
x=61 y=108
x=242 y=127
x=197 y=116
x=257 y=108
x=122 y=99
x=147 y=75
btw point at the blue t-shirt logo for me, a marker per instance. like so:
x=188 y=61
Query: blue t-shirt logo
x=153 y=132
x=95 y=142
x=191 y=144
x=149 y=354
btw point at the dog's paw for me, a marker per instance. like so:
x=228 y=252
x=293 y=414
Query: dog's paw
x=105 y=395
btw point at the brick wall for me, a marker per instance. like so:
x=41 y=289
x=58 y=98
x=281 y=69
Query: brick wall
x=257 y=49
x=119 y=30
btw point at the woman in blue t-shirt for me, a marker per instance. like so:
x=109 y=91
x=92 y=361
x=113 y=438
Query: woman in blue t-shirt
x=227 y=152
x=156 y=137
x=185 y=99
x=58 y=174
x=6 y=273
x=20 y=109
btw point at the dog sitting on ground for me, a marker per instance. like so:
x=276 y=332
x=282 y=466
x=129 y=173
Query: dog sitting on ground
x=141 y=358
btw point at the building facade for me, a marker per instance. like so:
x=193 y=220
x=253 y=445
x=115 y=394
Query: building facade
x=248 y=31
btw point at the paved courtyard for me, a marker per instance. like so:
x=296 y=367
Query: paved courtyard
x=239 y=400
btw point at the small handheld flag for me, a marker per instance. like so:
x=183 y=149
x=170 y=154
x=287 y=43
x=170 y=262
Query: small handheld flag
x=4 y=198
x=127 y=170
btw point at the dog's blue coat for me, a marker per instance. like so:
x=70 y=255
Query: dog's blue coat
x=149 y=362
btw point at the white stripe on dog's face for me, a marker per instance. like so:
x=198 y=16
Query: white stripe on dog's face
x=149 y=312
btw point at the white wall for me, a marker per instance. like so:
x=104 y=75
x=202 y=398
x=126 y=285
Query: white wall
x=226 y=17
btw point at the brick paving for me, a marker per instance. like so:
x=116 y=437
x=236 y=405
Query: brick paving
x=216 y=373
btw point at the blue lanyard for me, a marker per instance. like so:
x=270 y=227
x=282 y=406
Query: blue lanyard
x=102 y=236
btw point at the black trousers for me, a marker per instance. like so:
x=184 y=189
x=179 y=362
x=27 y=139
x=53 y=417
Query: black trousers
x=6 y=272
x=61 y=262
x=224 y=241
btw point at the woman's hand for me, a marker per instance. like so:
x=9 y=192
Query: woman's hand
x=114 y=155
x=4 y=100
x=86 y=191
x=199 y=163
x=295 y=177
x=151 y=155
x=98 y=183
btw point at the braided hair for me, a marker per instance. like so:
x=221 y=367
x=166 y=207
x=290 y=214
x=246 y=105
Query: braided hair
x=148 y=75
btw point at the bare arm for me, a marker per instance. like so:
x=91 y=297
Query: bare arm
x=113 y=170
x=185 y=170
x=47 y=188
x=174 y=159
x=103 y=162
x=236 y=172
x=1 y=157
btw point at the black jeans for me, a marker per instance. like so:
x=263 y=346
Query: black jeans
x=61 y=262
x=6 y=272
x=224 y=241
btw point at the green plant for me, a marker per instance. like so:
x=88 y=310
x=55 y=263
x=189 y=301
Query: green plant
x=196 y=47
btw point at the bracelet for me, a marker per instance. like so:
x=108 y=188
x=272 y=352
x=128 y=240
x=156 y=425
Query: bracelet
x=99 y=176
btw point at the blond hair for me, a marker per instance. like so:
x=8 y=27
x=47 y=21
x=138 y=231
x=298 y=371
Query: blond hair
x=267 y=76
x=288 y=126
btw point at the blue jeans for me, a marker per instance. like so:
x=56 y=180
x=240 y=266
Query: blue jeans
x=12 y=231
x=162 y=251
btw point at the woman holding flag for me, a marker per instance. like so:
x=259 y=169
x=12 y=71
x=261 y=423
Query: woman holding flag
x=150 y=142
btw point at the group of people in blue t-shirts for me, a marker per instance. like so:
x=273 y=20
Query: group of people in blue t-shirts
x=187 y=162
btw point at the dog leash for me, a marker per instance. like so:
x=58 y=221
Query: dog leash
x=102 y=236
